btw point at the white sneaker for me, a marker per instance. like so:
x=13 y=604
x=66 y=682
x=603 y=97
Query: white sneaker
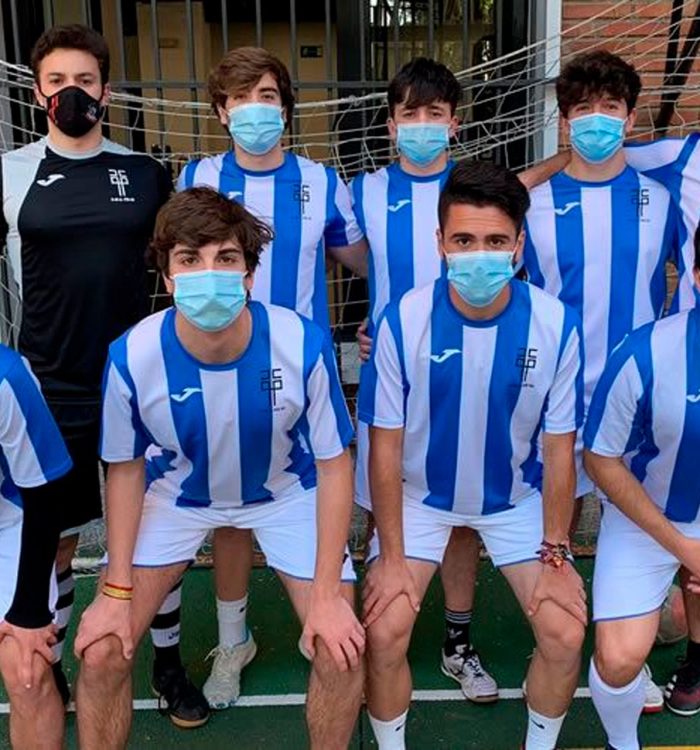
x=223 y=686
x=465 y=667
x=653 y=697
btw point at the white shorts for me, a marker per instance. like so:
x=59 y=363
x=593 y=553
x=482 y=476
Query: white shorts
x=512 y=536
x=632 y=571
x=285 y=530
x=10 y=542
x=362 y=495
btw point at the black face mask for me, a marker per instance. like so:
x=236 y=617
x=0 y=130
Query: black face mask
x=74 y=111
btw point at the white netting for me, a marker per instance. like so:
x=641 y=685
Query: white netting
x=508 y=112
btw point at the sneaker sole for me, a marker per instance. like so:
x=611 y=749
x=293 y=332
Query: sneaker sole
x=653 y=709
x=182 y=723
x=492 y=698
x=682 y=711
x=231 y=704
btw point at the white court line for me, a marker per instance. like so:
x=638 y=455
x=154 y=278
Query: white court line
x=298 y=699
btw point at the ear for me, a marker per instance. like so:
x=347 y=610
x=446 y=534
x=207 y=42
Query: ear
x=169 y=283
x=630 y=122
x=519 y=248
x=106 y=94
x=440 y=243
x=248 y=280
x=391 y=126
x=565 y=127
x=454 y=126
x=223 y=115
x=41 y=99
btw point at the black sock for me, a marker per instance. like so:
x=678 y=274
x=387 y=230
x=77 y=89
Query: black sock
x=693 y=653
x=167 y=658
x=456 y=630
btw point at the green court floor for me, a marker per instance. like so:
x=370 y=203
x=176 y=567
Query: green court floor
x=437 y=719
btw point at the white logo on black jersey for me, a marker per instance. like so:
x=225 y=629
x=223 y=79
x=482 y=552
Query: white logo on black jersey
x=50 y=180
x=120 y=180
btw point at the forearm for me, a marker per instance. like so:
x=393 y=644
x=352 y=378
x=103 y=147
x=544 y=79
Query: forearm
x=386 y=490
x=353 y=257
x=333 y=512
x=623 y=489
x=37 y=553
x=124 y=506
x=539 y=173
x=559 y=486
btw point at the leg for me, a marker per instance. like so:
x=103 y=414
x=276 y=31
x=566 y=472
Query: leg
x=555 y=666
x=233 y=562
x=36 y=715
x=617 y=686
x=334 y=697
x=460 y=660
x=103 y=694
x=64 y=607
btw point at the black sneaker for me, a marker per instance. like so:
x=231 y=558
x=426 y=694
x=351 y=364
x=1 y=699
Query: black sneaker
x=184 y=703
x=61 y=683
x=682 y=694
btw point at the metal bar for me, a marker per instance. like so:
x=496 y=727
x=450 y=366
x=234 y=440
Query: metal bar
x=21 y=95
x=159 y=73
x=465 y=34
x=87 y=13
x=293 y=56
x=191 y=68
x=397 y=38
x=224 y=24
x=48 y=14
x=363 y=51
x=431 y=30
x=122 y=59
x=329 y=42
x=258 y=23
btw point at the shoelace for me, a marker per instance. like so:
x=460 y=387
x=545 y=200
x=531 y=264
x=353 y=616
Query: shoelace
x=470 y=659
x=218 y=669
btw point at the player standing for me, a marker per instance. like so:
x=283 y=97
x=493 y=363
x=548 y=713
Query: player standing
x=497 y=362
x=396 y=208
x=642 y=439
x=32 y=460
x=234 y=413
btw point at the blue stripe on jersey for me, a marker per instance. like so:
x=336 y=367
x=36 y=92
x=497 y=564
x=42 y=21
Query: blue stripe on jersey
x=188 y=416
x=530 y=261
x=672 y=240
x=569 y=239
x=625 y=224
x=399 y=235
x=343 y=425
x=684 y=491
x=358 y=185
x=231 y=179
x=572 y=322
x=285 y=266
x=335 y=233
x=445 y=387
x=8 y=489
x=510 y=342
x=255 y=424
x=190 y=169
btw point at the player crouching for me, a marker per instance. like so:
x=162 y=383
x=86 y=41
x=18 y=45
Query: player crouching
x=232 y=415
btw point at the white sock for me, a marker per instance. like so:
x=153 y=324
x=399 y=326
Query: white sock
x=542 y=731
x=64 y=609
x=619 y=709
x=390 y=735
x=232 y=624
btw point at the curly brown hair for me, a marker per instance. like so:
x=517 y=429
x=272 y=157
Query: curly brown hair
x=71 y=36
x=200 y=216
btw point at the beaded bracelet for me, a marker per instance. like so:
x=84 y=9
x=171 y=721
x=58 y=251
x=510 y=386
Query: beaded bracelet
x=554 y=554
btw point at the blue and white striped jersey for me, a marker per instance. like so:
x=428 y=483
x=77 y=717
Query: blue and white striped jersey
x=647 y=408
x=32 y=451
x=675 y=163
x=474 y=396
x=227 y=434
x=308 y=207
x=398 y=214
x=602 y=248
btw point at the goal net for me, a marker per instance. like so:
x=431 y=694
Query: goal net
x=508 y=114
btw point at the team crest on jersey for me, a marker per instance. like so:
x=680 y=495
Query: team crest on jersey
x=272 y=381
x=641 y=198
x=302 y=194
x=120 y=180
x=526 y=362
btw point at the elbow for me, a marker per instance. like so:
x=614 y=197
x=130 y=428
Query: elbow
x=591 y=465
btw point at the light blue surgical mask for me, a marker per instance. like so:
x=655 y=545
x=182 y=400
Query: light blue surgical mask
x=478 y=276
x=256 y=128
x=597 y=137
x=210 y=300
x=422 y=143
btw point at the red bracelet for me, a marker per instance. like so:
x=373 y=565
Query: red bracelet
x=554 y=554
x=115 y=586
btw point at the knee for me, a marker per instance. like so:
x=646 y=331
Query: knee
x=329 y=672
x=387 y=641
x=21 y=697
x=561 y=637
x=104 y=657
x=618 y=664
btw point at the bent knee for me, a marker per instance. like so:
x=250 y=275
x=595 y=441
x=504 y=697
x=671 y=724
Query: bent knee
x=15 y=686
x=618 y=664
x=388 y=638
x=561 y=636
x=105 y=656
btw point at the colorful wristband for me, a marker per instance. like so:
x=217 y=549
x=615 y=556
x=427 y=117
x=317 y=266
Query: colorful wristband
x=125 y=593
x=554 y=555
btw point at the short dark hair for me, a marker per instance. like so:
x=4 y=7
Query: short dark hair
x=597 y=73
x=201 y=215
x=421 y=82
x=241 y=68
x=697 y=248
x=72 y=36
x=482 y=183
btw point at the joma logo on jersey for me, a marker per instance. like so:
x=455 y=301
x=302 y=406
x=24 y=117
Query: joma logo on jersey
x=641 y=198
x=526 y=361
x=120 y=180
x=302 y=194
x=271 y=381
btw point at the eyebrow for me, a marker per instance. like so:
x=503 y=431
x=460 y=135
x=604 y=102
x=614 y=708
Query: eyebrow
x=269 y=90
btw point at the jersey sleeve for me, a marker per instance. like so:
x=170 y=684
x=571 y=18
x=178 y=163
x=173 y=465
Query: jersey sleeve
x=123 y=436
x=185 y=179
x=656 y=159
x=330 y=428
x=342 y=228
x=383 y=389
x=564 y=408
x=619 y=403
x=357 y=195
x=29 y=437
